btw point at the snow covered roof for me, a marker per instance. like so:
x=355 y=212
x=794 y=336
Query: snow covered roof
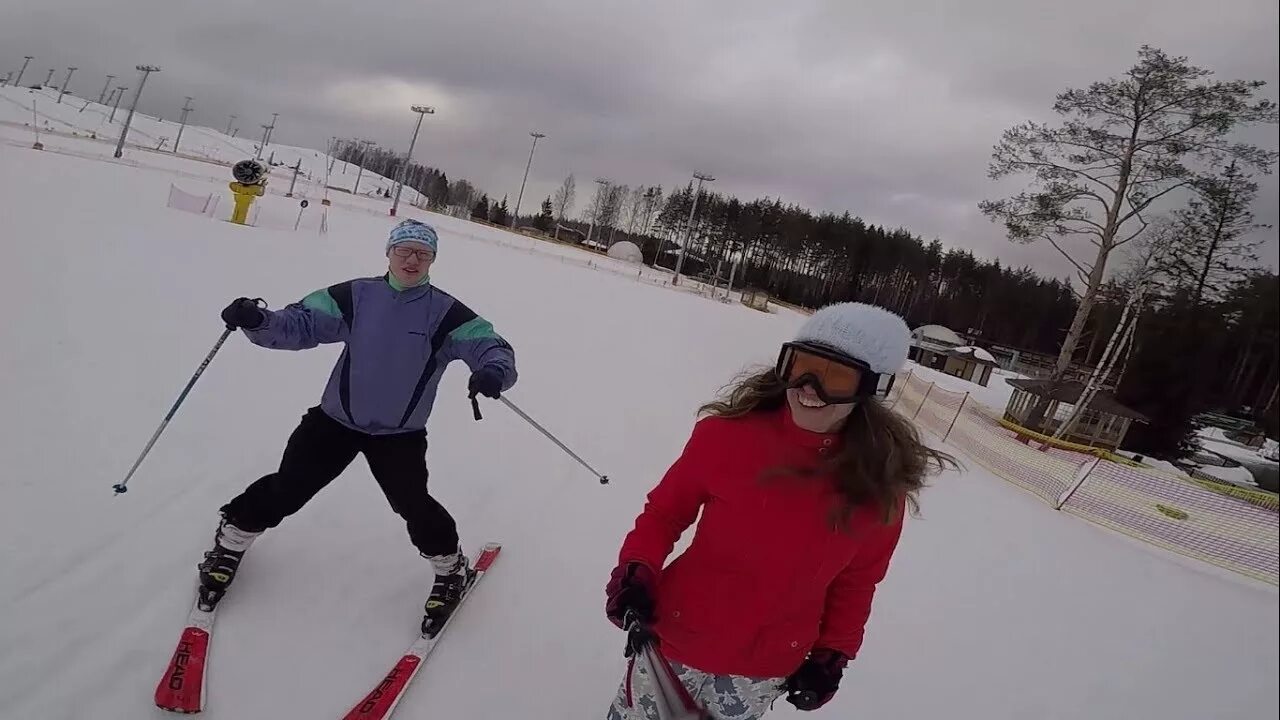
x=937 y=333
x=974 y=353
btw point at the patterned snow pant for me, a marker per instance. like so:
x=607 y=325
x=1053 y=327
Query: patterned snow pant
x=725 y=697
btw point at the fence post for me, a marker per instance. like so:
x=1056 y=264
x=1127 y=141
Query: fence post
x=957 y=417
x=905 y=380
x=923 y=400
x=1083 y=475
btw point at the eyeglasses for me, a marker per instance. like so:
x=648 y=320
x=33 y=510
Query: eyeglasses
x=836 y=378
x=405 y=252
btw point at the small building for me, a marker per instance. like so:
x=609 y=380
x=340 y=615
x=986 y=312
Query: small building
x=930 y=345
x=970 y=363
x=1104 y=423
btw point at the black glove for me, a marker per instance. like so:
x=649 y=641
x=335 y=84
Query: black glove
x=630 y=603
x=486 y=381
x=243 y=313
x=630 y=593
x=815 y=682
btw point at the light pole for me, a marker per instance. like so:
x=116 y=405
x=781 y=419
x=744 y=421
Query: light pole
x=146 y=71
x=366 y=143
x=118 y=94
x=536 y=136
x=105 y=85
x=266 y=130
x=65 y=82
x=48 y=81
x=688 y=231
x=423 y=111
x=26 y=59
x=272 y=128
x=230 y=120
x=182 y=124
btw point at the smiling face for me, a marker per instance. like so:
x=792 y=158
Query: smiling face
x=814 y=414
x=410 y=263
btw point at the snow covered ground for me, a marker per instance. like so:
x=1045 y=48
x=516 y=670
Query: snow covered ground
x=995 y=608
x=995 y=395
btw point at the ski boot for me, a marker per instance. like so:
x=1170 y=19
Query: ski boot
x=453 y=576
x=219 y=566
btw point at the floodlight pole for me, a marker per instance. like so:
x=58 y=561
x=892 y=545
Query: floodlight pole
x=422 y=111
x=119 y=93
x=26 y=60
x=105 y=85
x=536 y=136
x=146 y=71
x=182 y=124
x=65 y=81
x=688 y=231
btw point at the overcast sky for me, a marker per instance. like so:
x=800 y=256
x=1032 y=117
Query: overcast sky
x=886 y=109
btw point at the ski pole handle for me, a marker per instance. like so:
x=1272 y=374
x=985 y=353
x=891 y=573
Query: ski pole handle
x=475 y=407
x=262 y=304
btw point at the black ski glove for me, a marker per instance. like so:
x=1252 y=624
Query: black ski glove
x=630 y=592
x=630 y=604
x=815 y=682
x=244 y=313
x=486 y=381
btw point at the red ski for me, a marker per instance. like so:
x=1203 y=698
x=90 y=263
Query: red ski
x=181 y=689
x=382 y=701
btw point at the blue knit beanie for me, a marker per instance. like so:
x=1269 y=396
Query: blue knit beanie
x=413 y=231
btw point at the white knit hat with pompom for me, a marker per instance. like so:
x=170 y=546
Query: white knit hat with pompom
x=868 y=333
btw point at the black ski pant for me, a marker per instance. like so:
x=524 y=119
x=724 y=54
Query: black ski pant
x=318 y=451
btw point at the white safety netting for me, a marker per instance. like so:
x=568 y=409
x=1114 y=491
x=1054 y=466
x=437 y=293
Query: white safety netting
x=181 y=200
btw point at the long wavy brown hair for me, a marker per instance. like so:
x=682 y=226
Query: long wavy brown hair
x=881 y=461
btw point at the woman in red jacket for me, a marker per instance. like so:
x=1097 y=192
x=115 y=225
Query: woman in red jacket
x=802 y=479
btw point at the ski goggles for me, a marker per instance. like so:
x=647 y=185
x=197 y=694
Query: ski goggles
x=836 y=377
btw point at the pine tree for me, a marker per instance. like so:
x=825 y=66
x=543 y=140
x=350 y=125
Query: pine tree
x=499 y=215
x=1123 y=144
x=546 y=218
x=481 y=209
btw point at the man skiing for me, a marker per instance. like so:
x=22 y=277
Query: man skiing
x=400 y=333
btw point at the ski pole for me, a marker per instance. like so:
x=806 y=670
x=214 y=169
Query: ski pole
x=475 y=406
x=122 y=486
x=672 y=700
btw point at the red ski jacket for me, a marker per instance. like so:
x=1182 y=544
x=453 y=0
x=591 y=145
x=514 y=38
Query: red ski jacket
x=767 y=577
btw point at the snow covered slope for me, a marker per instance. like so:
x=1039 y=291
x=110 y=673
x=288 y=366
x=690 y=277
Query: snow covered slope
x=996 y=608
x=82 y=118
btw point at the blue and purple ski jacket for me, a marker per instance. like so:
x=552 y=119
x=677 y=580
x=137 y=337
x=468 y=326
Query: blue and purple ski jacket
x=398 y=342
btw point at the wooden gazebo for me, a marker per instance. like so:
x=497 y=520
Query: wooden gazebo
x=1103 y=424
